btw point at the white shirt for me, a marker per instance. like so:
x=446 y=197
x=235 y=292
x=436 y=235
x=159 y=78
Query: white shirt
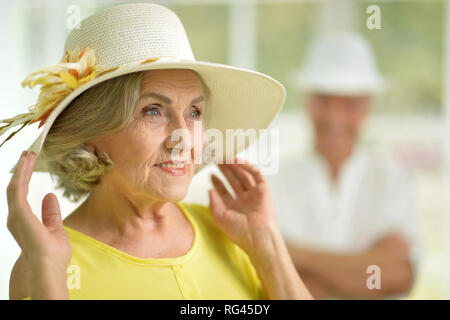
x=371 y=197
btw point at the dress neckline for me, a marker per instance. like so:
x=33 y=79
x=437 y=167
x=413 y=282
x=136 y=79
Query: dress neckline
x=72 y=233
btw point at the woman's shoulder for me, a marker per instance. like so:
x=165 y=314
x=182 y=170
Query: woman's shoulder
x=198 y=211
x=230 y=251
x=195 y=207
x=205 y=223
x=204 y=217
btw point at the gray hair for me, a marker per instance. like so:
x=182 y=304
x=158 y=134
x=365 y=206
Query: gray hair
x=106 y=108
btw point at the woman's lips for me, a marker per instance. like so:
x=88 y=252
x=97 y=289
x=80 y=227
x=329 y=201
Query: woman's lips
x=173 y=168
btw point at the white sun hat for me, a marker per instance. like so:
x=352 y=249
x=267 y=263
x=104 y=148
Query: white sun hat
x=139 y=37
x=340 y=63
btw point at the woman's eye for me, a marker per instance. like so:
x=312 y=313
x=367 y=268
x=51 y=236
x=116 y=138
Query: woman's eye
x=195 y=113
x=152 y=111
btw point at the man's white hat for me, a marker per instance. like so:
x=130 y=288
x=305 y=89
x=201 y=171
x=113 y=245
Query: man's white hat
x=139 y=37
x=340 y=63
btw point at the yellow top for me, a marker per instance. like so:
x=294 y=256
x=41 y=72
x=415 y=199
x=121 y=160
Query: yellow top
x=213 y=268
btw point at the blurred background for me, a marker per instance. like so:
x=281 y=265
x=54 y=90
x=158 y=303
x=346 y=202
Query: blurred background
x=411 y=121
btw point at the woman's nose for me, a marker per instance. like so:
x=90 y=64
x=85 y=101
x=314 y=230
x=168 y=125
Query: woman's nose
x=179 y=135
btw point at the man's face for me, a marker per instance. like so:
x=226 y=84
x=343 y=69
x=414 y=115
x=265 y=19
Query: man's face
x=337 y=120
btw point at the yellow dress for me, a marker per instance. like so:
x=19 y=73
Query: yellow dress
x=213 y=268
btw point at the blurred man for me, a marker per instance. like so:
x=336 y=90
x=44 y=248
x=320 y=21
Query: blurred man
x=346 y=212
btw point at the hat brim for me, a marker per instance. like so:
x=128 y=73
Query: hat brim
x=239 y=99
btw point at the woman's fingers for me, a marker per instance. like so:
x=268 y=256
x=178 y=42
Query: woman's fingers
x=51 y=213
x=242 y=174
x=216 y=203
x=245 y=178
x=11 y=191
x=31 y=163
x=221 y=189
x=253 y=171
x=18 y=187
x=234 y=181
x=21 y=220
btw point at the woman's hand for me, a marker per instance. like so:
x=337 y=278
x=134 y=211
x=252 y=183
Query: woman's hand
x=45 y=246
x=249 y=221
x=251 y=213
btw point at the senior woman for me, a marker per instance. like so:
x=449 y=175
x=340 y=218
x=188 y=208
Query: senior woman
x=108 y=134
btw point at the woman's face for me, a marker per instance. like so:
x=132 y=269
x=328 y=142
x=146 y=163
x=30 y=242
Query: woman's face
x=143 y=153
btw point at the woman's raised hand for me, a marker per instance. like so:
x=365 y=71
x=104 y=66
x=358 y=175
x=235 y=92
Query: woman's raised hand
x=45 y=246
x=249 y=221
x=248 y=215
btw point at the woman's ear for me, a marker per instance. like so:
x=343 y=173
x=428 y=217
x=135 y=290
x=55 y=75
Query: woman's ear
x=90 y=146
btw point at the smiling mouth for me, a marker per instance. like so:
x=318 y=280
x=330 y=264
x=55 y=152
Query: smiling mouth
x=171 y=165
x=173 y=168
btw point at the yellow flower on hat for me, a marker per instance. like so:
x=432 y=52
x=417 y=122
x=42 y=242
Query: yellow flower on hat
x=75 y=68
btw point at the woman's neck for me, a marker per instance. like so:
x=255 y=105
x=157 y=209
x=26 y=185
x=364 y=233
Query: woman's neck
x=113 y=210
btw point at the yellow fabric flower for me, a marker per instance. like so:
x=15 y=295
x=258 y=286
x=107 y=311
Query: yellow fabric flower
x=76 y=68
